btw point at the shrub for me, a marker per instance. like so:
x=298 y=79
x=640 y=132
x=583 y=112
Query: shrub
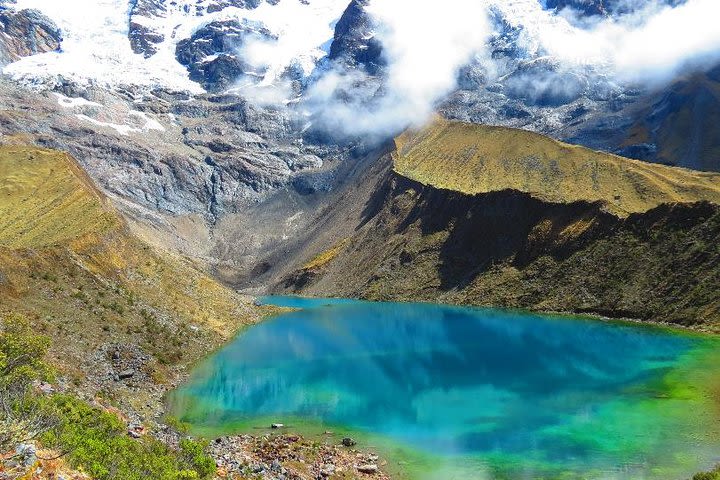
x=22 y=415
x=97 y=441
x=92 y=439
x=712 y=475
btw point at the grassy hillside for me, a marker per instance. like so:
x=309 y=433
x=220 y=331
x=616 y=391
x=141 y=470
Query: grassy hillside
x=46 y=199
x=123 y=324
x=476 y=159
x=70 y=264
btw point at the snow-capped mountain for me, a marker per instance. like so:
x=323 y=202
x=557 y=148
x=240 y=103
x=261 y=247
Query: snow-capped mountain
x=252 y=96
x=121 y=42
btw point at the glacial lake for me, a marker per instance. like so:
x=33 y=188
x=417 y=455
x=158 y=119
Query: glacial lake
x=449 y=392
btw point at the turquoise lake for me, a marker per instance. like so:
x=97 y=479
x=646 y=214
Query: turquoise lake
x=451 y=392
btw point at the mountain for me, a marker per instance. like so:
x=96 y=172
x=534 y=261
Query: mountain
x=206 y=150
x=674 y=126
x=354 y=43
x=163 y=160
x=494 y=216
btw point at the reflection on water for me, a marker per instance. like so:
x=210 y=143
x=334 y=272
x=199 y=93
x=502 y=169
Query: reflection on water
x=509 y=387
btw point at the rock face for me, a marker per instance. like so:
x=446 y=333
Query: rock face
x=675 y=126
x=354 y=44
x=216 y=154
x=604 y=7
x=26 y=33
x=212 y=54
x=145 y=39
x=588 y=7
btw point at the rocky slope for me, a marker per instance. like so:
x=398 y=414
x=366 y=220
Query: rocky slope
x=24 y=33
x=675 y=126
x=111 y=303
x=510 y=234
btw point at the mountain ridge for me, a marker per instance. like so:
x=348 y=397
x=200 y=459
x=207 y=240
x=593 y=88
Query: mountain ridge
x=416 y=241
x=475 y=159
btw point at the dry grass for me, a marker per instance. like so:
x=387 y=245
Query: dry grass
x=327 y=256
x=45 y=199
x=475 y=159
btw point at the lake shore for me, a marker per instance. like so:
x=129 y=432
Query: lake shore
x=590 y=319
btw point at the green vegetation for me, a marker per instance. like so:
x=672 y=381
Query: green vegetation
x=71 y=270
x=476 y=159
x=714 y=474
x=326 y=257
x=92 y=440
x=22 y=416
x=97 y=443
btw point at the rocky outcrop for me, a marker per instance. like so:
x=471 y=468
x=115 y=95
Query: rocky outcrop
x=588 y=7
x=143 y=39
x=212 y=54
x=354 y=44
x=24 y=33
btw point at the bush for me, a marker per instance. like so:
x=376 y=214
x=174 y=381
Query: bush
x=92 y=439
x=712 y=475
x=22 y=351
x=97 y=442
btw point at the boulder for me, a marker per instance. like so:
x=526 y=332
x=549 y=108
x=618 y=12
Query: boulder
x=370 y=468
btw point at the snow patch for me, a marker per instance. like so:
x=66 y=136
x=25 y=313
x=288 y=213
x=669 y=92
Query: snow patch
x=68 y=102
x=140 y=122
x=121 y=129
x=150 y=123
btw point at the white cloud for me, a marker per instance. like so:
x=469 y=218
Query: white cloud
x=425 y=44
x=652 y=44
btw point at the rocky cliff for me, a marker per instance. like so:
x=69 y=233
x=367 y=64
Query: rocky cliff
x=24 y=33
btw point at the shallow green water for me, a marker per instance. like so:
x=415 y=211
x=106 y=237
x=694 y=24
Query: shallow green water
x=456 y=392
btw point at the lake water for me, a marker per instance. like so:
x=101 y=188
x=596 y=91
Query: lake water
x=450 y=392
